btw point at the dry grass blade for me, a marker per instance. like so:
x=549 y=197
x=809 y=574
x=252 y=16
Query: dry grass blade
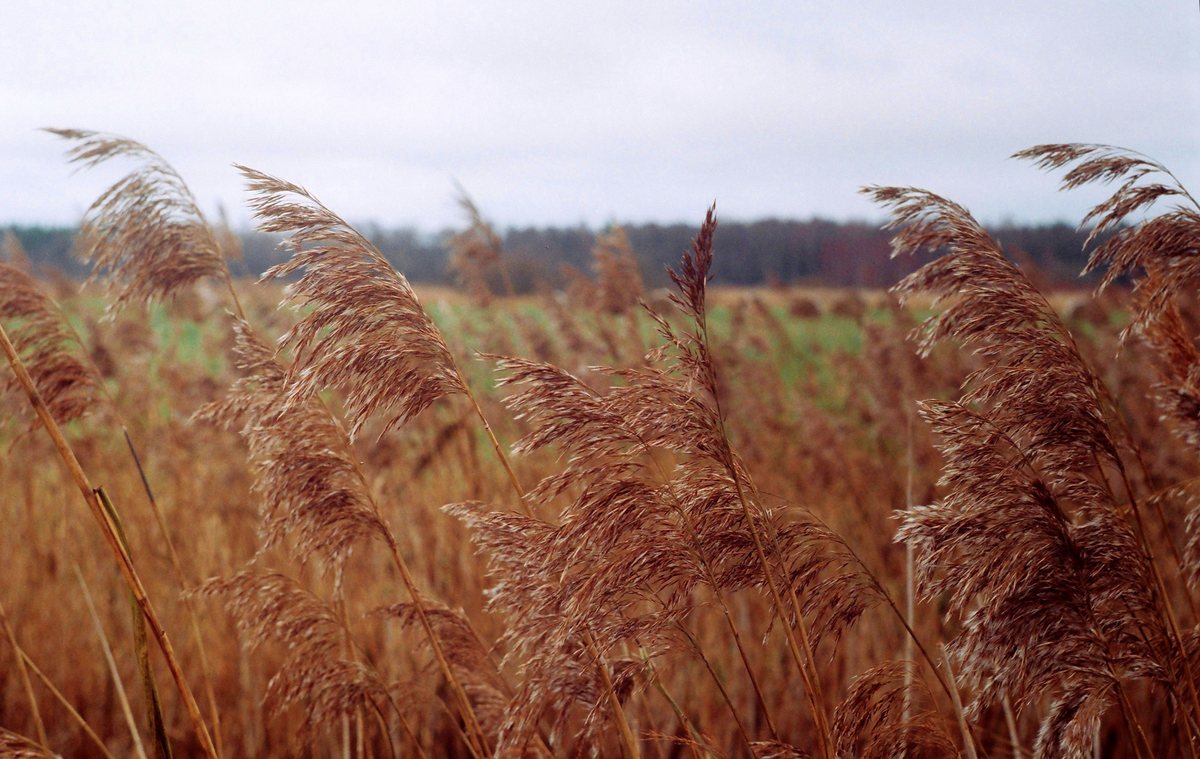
x=62 y=700
x=69 y=385
x=183 y=582
x=34 y=711
x=153 y=704
x=145 y=236
x=364 y=331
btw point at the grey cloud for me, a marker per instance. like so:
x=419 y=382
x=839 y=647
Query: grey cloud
x=552 y=114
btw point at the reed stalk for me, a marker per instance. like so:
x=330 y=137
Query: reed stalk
x=91 y=497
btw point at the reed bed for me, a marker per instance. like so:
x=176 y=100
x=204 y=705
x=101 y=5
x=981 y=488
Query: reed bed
x=330 y=514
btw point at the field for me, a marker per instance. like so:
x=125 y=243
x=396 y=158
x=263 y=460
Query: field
x=328 y=514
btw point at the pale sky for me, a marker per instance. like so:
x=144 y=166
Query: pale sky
x=560 y=113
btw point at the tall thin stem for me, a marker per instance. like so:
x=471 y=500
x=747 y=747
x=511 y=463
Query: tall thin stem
x=631 y=742
x=106 y=649
x=967 y=737
x=745 y=735
x=474 y=733
x=58 y=696
x=487 y=427
x=23 y=671
x=910 y=601
x=806 y=662
x=181 y=578
x=124 y=561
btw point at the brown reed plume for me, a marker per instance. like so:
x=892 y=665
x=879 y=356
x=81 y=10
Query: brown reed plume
x=1161 y=253
x=318 y=676
x=617 y=286
x=13 y=746
x=147 y=239
x=68 y=386
x=872 y=722
x=618 y=273
x=1031 y=544
x=310 y=491
x=313 y=492
x=1158 y=252
x=305 y=476
x=145 y=236
x=13 y=252
x=636 y=539
x=364 y=332
x=476 y=251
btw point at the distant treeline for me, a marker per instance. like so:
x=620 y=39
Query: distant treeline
x=815 y=252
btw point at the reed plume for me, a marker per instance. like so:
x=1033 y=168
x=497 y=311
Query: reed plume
x=312 y=491
x=318 y=675
x=13 y=746
x=364 y=332
x=13 y=252
x=68 y=385
x=1030 y=543
x=636 y=538
x=145 y=236
x=1160 y=253
x=305 y=475
x=617 y=285
x=618 y=273
x=476 y=251
x=872 y=722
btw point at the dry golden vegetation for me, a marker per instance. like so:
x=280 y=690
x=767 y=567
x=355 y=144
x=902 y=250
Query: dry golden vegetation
x=327 y=515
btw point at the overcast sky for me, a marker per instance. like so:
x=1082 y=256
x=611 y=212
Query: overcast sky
x=631 y=111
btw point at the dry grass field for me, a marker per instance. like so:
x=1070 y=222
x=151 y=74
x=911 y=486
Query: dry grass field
x=327 y=514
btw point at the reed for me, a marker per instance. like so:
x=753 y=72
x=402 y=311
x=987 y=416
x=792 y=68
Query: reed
x=690 y=522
